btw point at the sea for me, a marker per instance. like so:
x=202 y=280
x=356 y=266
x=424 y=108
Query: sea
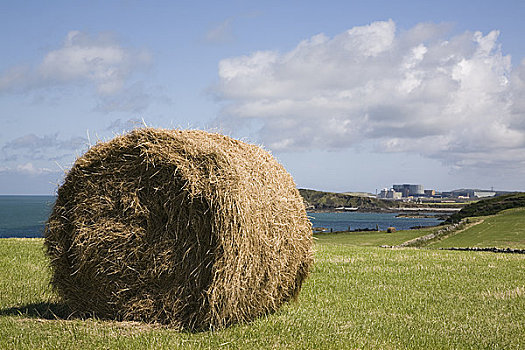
x=25 y=216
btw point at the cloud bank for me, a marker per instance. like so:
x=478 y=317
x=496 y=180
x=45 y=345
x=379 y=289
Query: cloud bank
x=46 y=147
x=96 y=61
x=453 y=98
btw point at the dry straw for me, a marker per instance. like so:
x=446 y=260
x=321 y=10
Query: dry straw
x=182 y=227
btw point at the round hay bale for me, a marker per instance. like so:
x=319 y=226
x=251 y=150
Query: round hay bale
x=182 y=227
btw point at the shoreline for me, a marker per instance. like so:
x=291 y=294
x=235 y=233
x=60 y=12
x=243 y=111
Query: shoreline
x=389 y=210
x=324 y=230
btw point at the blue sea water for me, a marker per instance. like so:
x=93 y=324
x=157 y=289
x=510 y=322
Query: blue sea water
x=355 y=220
x=25 y=216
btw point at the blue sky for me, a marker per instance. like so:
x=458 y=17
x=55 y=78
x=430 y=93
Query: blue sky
x=348 y=95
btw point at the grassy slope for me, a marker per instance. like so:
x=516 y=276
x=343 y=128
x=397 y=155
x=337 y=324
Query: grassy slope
x=503 y=230
x=489 y=206
x=357 y=297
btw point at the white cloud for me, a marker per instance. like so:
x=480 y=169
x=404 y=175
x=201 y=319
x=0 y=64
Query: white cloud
x=99 y=60
x=29 y=168
x=25 y=169
x=453 y=98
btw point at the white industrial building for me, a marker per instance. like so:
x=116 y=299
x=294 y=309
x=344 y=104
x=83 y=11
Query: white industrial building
x=390 y=194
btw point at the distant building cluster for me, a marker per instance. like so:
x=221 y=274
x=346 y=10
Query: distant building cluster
x=403 y=191
x=417 y=191
x=469 y=194
x=408 y=190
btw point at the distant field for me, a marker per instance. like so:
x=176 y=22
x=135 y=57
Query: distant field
x=503 y=230
x=371 y=238
x=356 y=298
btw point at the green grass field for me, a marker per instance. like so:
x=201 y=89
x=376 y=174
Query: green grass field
x=370 y=238
x=504 y=230
x=357 y=297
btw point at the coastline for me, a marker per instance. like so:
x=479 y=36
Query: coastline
x=402 y=210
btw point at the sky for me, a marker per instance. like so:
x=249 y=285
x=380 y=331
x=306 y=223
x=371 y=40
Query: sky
x=347 y=95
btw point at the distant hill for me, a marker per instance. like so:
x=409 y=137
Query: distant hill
x=360 y=194
x=320 y=200
x=489 y=206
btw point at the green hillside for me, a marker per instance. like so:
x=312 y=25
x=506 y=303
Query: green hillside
x=503 y=230
x=489 y=206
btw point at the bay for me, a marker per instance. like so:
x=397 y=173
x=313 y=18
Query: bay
x=345 y=221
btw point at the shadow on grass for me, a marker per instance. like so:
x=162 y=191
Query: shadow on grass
x=61 y=312
x=48 y=311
